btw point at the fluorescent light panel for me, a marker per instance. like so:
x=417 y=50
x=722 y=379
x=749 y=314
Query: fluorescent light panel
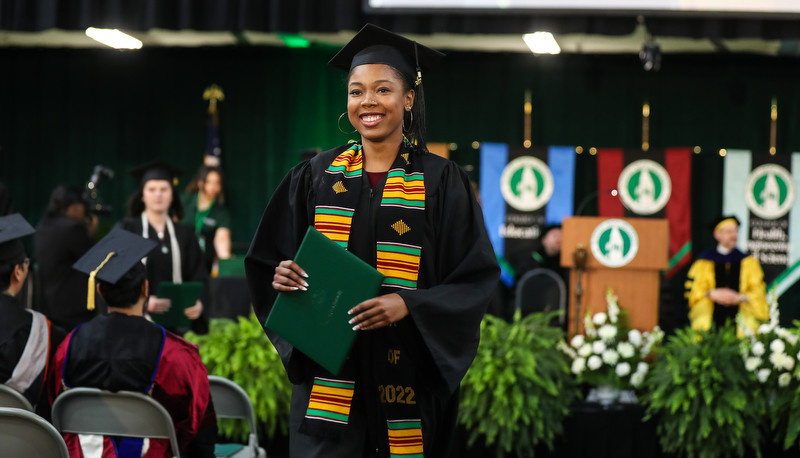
x=541 y=43
x=113 y=38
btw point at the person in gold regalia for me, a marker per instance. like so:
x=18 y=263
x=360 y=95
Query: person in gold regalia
x=724 y=281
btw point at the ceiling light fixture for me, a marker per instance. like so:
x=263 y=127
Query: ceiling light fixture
x=541 y=43
x=113 y=38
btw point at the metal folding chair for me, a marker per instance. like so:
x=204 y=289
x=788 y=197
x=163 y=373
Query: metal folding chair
x=23 y=433
x=541 y=290
x=231 y=401
x=124 y=414
x=9 y=397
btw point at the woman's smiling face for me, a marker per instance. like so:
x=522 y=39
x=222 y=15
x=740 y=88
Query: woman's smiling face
x=377 y=99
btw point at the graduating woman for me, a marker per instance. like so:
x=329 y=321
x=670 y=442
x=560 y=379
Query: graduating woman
x=153 y=210
x=414 y=217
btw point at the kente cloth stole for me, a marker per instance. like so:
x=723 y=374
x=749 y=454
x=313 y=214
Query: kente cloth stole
x=400 y=225
x=330 y=400
x=400 y=218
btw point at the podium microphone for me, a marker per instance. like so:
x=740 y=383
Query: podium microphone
x=592 y=196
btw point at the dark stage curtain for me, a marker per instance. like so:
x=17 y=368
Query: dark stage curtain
x=63 y=111
x=333 y=15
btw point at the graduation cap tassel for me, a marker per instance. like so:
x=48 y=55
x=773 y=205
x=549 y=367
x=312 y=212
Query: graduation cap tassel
x=416 y=62
x=92 y=275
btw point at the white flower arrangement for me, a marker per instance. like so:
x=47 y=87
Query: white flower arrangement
x=609 y=353
x=772 y=354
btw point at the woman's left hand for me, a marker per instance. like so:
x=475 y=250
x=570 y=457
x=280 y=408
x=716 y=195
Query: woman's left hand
x=378 y=312
x=194 y=311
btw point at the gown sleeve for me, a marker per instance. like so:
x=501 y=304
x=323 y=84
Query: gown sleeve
x=277 y=238
x=700 y=280
x=458 y=277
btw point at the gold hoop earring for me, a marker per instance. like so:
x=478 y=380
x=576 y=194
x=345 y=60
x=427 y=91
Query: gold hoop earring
x=339 y=124
x=410 y=122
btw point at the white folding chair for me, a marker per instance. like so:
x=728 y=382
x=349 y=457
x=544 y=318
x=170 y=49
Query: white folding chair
x=231 y=401
x=124 y=414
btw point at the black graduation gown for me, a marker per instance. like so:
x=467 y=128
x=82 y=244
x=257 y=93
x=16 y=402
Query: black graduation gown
x=15 y=328
x=159 y=261
x=457 y=277
x=59 y=242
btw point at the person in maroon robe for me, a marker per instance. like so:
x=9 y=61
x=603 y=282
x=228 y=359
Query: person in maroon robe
x=124 y=351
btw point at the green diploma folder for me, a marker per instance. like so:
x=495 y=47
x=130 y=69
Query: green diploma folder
x=183 y=296
x=316 y=321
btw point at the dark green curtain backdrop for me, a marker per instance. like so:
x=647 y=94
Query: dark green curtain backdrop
x=63 y=111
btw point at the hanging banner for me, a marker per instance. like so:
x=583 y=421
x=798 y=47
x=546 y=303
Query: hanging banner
x=522 y=190
x=655 y=184
x=761 y=190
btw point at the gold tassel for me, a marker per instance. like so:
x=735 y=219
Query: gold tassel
x=90 y=292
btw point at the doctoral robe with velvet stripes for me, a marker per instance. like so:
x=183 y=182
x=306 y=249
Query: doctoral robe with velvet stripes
x=119 y=352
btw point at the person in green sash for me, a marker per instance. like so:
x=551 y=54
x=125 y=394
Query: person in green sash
x=413 y=216
x=204 y=209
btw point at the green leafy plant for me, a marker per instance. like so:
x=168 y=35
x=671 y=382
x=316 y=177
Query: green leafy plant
x=518 y=390
x=610 y=352
x=240 y=351
x=705 y=402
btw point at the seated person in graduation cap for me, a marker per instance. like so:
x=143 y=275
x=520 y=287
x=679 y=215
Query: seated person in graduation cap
x=153 y=213
x=27 y=339
x=724 y=281
x=124 y=351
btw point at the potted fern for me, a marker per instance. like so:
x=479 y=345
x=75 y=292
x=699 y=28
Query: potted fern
x=240 y=351
x=518 y=390
x=705 y=402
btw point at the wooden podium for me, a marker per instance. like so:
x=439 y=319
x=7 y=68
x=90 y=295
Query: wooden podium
x=636 y=283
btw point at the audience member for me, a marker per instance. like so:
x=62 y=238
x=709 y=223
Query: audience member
x=724 y=281
x=124 y=351
x=62 y=237
x=27 y=339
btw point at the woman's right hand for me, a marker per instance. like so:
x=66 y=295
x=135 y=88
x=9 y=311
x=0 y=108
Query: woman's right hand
x=289 y=277
x=158 y=305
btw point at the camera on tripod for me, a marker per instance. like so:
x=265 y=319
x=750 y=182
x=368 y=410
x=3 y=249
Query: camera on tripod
x=90 y=194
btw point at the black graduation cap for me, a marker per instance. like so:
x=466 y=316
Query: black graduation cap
x=374 y=45
x=157 y=170
x=112 y=257
x=12 y=228
x=720 y=221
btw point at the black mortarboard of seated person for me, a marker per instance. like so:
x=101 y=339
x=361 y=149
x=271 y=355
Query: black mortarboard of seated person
x=111 y=258
x=12 y=228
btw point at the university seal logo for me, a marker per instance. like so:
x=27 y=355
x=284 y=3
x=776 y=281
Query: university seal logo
x=526 y=183
x=644 y=187
x=769 y=192
x=614 y=243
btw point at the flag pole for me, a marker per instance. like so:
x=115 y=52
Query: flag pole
x=528 y=109
x=773 y=126
x=645 y=126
